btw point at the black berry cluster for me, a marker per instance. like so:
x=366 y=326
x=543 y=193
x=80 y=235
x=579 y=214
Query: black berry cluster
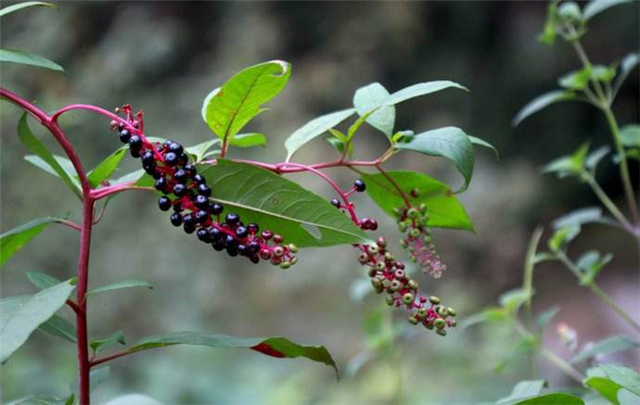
x=368 y=224
x=388 y=276
x=187 y=195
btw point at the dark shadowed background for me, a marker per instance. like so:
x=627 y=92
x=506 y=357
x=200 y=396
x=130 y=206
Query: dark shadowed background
x=165 y=57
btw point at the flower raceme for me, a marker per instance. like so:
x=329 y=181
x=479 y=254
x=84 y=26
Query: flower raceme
x=186 y=193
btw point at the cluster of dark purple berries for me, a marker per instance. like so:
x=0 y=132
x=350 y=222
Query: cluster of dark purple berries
x=188 y=195
x=368 y=224
x=388 y=275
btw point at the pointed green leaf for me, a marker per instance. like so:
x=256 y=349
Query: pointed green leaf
x=374 y=96
x=280 y=205
x=421 y=89
x=628 y=63
x=445 y=211
x=42 y=280
x=201 y=150
x=542 y=102
x=27 y=58
x=20 y=316
x=249 y=140
x=591 y=263
x=279 y=347
x=59 y=327
x=12 y=241
x=544 y=318
x=512 y=300
x=229 y=108
x=130 y=283
x=37 y=147
x=64 y=163
x=576 y=80
x=557 y=398
x=449 y=142
x=133 y=176
x=315 y=128
x=579 y=217
x=492 y=314
x=105 y=169
x=99 y=345
x=571 y=165
x=623 y=376
x=15 y=7
x=339 y=145
x=609 y=345
x=522 y=390
x=482 y=142
x=595 y=157
x=595 y=7
x=630 y=136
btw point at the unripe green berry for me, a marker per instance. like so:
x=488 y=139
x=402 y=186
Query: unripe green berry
x=372 y=249
x=434 y=300
x=390 y=300
x=451 y=311
x=427 y=239
x=408 y=298
x=413 y=213
x=429 y=326
x=395 y=285
x=422 y=312
x=414 y=232
x=441 y=332
x=285 y=265
x=453 y=323
x=423 y=208
x=403 y=243
x=293 y=248
x=399 y=274
x=412 y=284
x=380 y=266
x=388 y=257
x=386 y=283
x=397 y=212
x=412 y=320
x=363 y=258
x=402 y=227
x=439 y=323
x=442 y=311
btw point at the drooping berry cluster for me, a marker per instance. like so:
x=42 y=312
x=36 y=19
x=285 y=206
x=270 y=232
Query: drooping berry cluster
x=388 y=276
x=417 y=239
x=187 y=194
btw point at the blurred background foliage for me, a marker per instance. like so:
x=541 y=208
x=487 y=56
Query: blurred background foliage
x=164 y=57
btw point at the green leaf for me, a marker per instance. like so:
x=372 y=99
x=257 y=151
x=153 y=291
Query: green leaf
x=130 y=283
x=27 y=58
x=628 y=63
x=595 y=157
x=315 y=128
x=421 y=89
x=603 y=73
x=137 y=399
x=105 y=169
x=613 y=344
x=229 y=108
x=522 y=390
x=576 y=80
x=512 y=300
x=449 y=142
x=626 y=397
x=37 y=147
x=563 y=236
x=99 y=345
x=579 y=217
x=591 y=263
x=595 y=7
x=20 y=316
x=541 y=102
x=548 y=35
x=41 y=280
x=36 y=400
x=481 y=142
x=371 y=97
x=544 y=318
x=623 y=376
x=279 y=347
x=605 y=387
x=133 y=176
x=572 y=165
x=280 y=205
x=249 y=140
x=59 y=327
x=12 y=241
x=15 y=7
x=445 y=211
x=524 y=346
x=630 y=135
x=558 y=398
x=492 y=314
x=339 y=145
x=201 y=150
x=65 y=163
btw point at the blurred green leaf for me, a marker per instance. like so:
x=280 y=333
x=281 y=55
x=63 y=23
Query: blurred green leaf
x=603 y=73
x=445 y=211
x=229 y=108
x=59 y=327
x=626 y=397
x=571 y=165
x=512 y=300
x=545 y=317
x=421 y=89
x=481 y=142
x=20 y=316
x=37 y=147
x=595 y=7
x=548 y=35
x=105 y=169
x=315 y=128
x=595 y=157
x=524 y=346
x=569 y=11
x=136 y=399
x=15 y=239
x=129 y=283
x=576 y=80
x=523 y=389
x=36 y=400
x=557 y=398
x=280 y=205
x=27 y=58
x=449 y=142
x=99 y=345
x=623 y=376
x=591 y=263
x=609 y=345
x=339 y=145
x=492 y=314
x=541 y=102
x=42 y=280
x=605 y=387
x=563 y=236
x=630 y=135
x=19 y=6
x=579 y=217
x=373 y=96
x=279 y=347
x=628 y=63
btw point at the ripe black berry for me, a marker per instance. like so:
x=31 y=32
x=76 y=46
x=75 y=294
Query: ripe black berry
x=241 y=232
x=232 y=218
x=177 y=207
x=124 y=135
x=189 y=228
x=219 y=244
x=204 y=190
x=179 y=189
x=359 y=185
x=148 y=158
x=176 y=219
x=161 y=184
x=180 y=176
x=215 y=234
x=203 y=235
x=253 y=247
x=176 y=148
x=242 y=249
x=150 y=168
x=171 y=159
x=183 y=159
x=336 y=203
x=135 y=143
x=199 y=179
x=202 y=216
x=201 y=201
x=253 y=228
x=216 y=209
x=190 y=170
x=164 y=203
x=189 y=220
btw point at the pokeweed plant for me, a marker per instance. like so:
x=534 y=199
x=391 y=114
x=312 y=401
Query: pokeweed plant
x=598 y=86
x=246 y=208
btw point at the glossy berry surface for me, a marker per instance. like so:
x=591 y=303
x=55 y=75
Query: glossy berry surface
x=359 y=185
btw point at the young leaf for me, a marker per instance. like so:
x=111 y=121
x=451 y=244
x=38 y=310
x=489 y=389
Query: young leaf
x=249 y=140
x=374 y=96
x=20 y=316
x=339 y=145
x=27 y=58
x=421 y=89
x=445 y=211
x=279 y=347
x=105 y=169
x=15 y=7
x=131 y=283
x=623 y=376
x=524 y=346
x=572 y=165
x=37 y=147
x=576 y=80
x=542 y=102
x=59 y=327
x=628 y=63
x=563 y=236
x=591 y=263
x=612 y=344
x=315 y=128
x=557 y=398
x=42 y=280
x=522 y=390
x=548 y=35
x=512 y=300
x=579 y=217
x=201 y=150
x=595 y=157
x=99 y=345
x=12 y=241
x=630 y=136
x=228 y=109
x=280 y=205
x=482 y=142
x=595 y=7
x=544 y=318
x=449 y=142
